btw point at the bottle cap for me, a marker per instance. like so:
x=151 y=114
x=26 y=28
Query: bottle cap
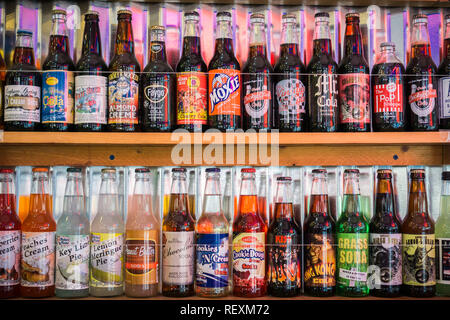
x=40 y=169
x=248 y=170
x=179 y=170
x=91 y=14
x=159 y=28
x=124 y=12
x=211 y=170
x=223 y=16
x=108 y=170
x=59 y=12
x=141 y=170
x=74 y=169
x=289 y=18
x=349 y=171
x=191 y=16
x=384 y=173
x=445 y=175
x=417 y=174
x=319 y=171
x=284 y=179
x=257 y=18
x=387 y=45
x=352 y=16
x=420 y=18
x=322 y=17
x=6 y=170
x=22 y=32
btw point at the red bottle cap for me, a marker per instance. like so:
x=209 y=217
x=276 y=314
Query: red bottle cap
x=248 y=170
x=6 y=170
x=40 y=169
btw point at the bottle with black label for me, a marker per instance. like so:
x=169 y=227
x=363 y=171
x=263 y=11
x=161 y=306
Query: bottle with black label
x=444 y=80
x=443 y=240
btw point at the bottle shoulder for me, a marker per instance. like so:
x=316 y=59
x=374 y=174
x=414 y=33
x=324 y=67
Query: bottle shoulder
x=322 y=63
x=418 y=224
x=124 y=62
x=58 y=62
x=257 y=64
x=289 y=63
x=353 y=64
x=158 y=66
x=191 y=63
x=421 y=64
x=91 y=63
x=223 y=61
x=444 y=67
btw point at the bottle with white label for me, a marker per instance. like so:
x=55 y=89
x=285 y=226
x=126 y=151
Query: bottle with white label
x=444 y=79
x=107 y=236
x=443 y=240
x=72 y=241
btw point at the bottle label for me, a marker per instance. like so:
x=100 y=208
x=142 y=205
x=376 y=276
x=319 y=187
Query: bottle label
x=212 y=260
x=444 y=94
x=385 y=259
x=324 y=94
x=141 y=257
x=9 y=258
x=72 y=262
x=224 y=92
x=320 y=261
x=22 y=103
x=422 y=99
x=249 y=252
x=192 y=98
x=57 y=96
x=419 y=267
x=257 y=98
x=353 y=259
x=291 y=97
x=443 y=260
x=106 y=260
x=178 y=257
x=123 y=92
x=388 y=98
x=156 y=100
x=38 y=259
x=90 y=99
x=354 y=96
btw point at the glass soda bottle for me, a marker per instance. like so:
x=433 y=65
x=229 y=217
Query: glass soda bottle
x=353 y=241
x=178 y=241
x=23 y=87
x=388 y=94
x=10 y=235
x=385 y=255
x=443 y=240
x=72 y=241
x=224 y=108
x=107 y=240
x=123 y=79
x=58 y=79
x=192 y=191
x=212 y=244
x=319 y=235
x=38 y=241
x=444 y=80
x=290 y=80
x=421 y=80
x=91 y=79
x=262 y=200
x=2 y=89
x=284 y=239
x=322 y=79
x=354 y=80
x=158 y=86
x=249 y=242
x=418 y=241
x=257 y=87
x=192 y=79
x=141 y=240
x=227 y=200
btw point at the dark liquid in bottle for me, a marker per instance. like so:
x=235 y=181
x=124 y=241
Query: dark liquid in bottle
x=444 y=87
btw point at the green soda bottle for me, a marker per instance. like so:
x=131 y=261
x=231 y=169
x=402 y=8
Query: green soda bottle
x=443 y=240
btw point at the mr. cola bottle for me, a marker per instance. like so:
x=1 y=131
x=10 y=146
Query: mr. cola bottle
x=388 y=94
x=257 y=89
x=354 y=81
x=289 y=105
x=157 y=110
x=57 y=79
x=421 y=80
x=444 y=79
x=322 y=79
x=224 y=108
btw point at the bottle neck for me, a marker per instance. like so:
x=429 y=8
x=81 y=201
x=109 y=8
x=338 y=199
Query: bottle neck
x=289 y=34
x=124 y=38
x=191 y=46
x=59 y=42
x=23 y=55
x=289 y=49
x=322 y=46
x=211 y=203
x=74 y=196
x=258 y=36
x=142 y=199
x=91 y=39
x=7 y=195
x=352 y=40
x=445 y=190
x=248 y=203
x=351 y=195
x=319 y=196
x=283 y=200
x=39 y=196
x=418 y=203
x=447 y=41
x=178 y=195
x=384 y=198
x=109 y=196
x=224 y=30
x=158 y=51
x=257 y=50
x=224 y=45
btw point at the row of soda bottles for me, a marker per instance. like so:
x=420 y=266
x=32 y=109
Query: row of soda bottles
x=211 y=256
x=323 y=97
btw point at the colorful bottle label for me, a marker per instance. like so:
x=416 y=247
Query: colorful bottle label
x=9 y=258
x=257 y=98
x=192 y=98
x=141 y=257
x=324 y=94
x=422 y=99
x=320 y=260
x=72 y=262
x=224 y=92
x=249 y=254
x=156 y=100
x=444 y=94
x=123 y=92
x=106 y=260
x=385 y=259
x=354 y=96
x=419 y=265
x=57 y=96
x=291 y=97
x=90 y=99
x=38 y=259
x=178 y=257
x=388 y=98
x=212 y=260
x=443 y=261
x=22 y=103
x=353 y=259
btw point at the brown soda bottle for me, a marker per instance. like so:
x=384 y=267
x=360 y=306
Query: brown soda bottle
x=123 y=79
x=444 y=79
x=38 y=241
x=2 y=89
x=418 y=241
x=23 y=87
x=354 y=81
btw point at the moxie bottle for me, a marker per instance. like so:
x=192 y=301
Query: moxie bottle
x=38 y=241
x=91 y=80
x=257 y=88
x=322 y=79
x=354 y=81
x=123 y=79
x=388 y=92
x=319 y=236
x=157 y=87
x=224 y=77
x=192 y=79
x=444 y=79
x=58 y=79
x=443 y=240
x=290 y=81
x=421 y=80
x=72 y=241
x=10 y=235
